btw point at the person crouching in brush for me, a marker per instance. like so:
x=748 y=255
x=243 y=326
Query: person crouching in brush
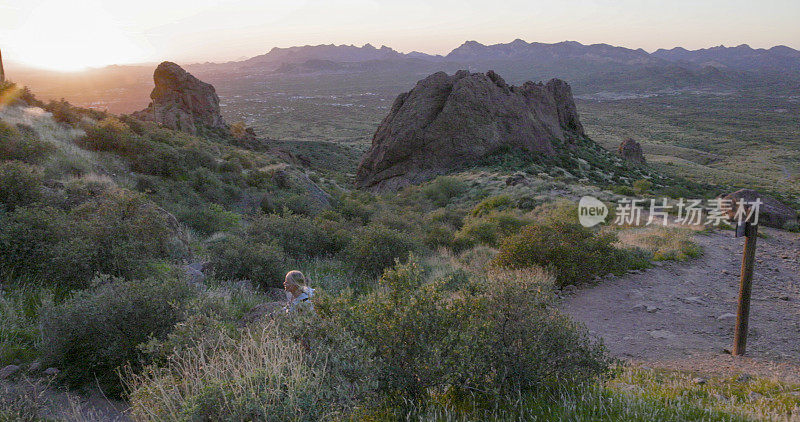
x=297 y=289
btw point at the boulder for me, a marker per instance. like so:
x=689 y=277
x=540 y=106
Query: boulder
x=181 y=101
x=294 y=179
x=772 y=213
x=194 y=275
x=447 y=122
x=631 y=150
x=8 y=371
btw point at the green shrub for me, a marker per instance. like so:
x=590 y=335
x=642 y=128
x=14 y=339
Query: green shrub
x=19 y=324
x=642 y=186
x=404 y=322
x=488 y=230
x=443 y=189
x=158 y=160
x=60 y=165
x=515 y=341
x=119 y=233
x=575 y=254
x=63 y=112
x=258 y=179
x=85 y=188
x=499 y=337
x=28 y=239
x=15 y=145
x=559 y=211
x=623 y=190
x=355 y=208
x=236 y=258
x=210 y=187
x=437 y=235
x=490 y=204
x=210 y=218
x=110 y=134
x=91 y=335
x=376 y=247
x=792 y=226
x=454 y=217
x=298 y=235
x=298 y=203
x=193 y=156
x=20 y=184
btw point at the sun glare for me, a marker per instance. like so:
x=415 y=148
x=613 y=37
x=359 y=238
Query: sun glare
x=63 y=36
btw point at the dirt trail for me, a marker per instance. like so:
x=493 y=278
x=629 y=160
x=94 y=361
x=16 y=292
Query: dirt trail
x=674 y=315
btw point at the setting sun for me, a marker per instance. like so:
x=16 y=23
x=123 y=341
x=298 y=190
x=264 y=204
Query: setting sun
x=67 y=37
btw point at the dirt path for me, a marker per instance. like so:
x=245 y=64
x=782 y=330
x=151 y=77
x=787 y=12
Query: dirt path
x=681 y=315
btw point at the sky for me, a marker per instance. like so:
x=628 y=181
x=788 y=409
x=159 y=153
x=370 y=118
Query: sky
x=74 y=34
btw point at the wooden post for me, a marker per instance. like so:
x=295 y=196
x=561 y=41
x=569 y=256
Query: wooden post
x=745 y=286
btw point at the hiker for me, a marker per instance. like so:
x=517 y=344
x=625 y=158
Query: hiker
x=297 y=289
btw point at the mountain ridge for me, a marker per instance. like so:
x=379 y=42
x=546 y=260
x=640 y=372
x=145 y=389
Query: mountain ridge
x=779 y=58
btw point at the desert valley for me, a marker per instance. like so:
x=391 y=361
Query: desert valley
x=510 y=231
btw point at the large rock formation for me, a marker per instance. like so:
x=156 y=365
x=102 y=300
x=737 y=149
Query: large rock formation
x=631 y=150
x=450 y=121
x=771 y=212
x=181 y=101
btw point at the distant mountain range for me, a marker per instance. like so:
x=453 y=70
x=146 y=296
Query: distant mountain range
x=778 y=59
x=589 y=69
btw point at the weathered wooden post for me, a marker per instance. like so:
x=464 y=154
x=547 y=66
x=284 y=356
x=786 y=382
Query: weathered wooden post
x=750 y=233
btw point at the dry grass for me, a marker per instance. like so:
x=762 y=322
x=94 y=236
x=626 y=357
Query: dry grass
x=664 y=243
x=757 y=398
x=260 y=374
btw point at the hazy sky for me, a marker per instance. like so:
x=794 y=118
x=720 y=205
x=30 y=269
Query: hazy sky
x=69 y=34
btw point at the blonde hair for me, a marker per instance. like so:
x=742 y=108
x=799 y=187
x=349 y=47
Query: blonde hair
x=295 y=277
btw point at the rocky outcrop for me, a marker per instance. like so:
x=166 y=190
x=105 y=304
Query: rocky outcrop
x=292 y=180
x=181 y=101
x=450 y=121
x=631 y=151
x=772 y=213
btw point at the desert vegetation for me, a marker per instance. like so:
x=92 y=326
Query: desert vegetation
x=433 y=302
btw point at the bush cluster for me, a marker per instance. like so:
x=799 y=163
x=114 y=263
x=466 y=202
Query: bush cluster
x=499 y=336
x=443 y=189
x=91 y=335
x=118 y=233
x=236 y=258
x=300 y=236
x=20 y=184
x=22 y=145
x=375 y=248
x=575 y=254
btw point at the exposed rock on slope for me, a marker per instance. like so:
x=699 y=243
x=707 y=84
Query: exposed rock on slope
x=449 y=121
x=181 y=101
x=631 y=150
x=771 y=213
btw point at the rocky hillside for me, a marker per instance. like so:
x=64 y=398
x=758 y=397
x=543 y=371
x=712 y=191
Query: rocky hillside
x=447 y=122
